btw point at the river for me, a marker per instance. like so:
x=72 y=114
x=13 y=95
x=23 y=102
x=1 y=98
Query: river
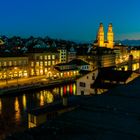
x=13 y=109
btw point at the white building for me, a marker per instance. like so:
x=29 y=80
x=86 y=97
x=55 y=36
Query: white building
x=84 y=83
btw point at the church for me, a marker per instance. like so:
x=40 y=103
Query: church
x=100 y=39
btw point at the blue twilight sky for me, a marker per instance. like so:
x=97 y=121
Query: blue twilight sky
x=69 y=19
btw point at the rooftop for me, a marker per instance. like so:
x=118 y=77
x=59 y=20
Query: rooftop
x=78 y=62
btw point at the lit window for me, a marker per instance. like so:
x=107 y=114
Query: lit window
x=45 y=70
x=45 y=57
x=53 y=56
x=10 y=63
x=49 y=63
x=49 y=57
x=53 y=62
x=41 y=63
x=45 y=63
x=0 y=64
x=41 y=57
x=37 y=64
x=5 y=63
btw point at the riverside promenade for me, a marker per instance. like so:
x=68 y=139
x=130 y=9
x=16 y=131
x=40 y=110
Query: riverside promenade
x=32 y=83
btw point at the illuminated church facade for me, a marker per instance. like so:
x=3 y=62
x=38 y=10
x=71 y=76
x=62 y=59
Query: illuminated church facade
x=100 y=39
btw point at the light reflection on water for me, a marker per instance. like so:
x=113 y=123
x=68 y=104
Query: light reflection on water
x=13 y=110
x=17 y=110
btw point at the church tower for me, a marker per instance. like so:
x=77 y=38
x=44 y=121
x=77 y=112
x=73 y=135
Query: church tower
x=110 y=37
x=100 y=36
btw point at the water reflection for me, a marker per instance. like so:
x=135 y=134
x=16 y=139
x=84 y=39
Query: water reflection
x=14 y=109
x=24 y=102
x=17 y=110
x=45 y=97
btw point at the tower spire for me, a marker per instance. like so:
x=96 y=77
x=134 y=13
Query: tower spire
x=110 y=36
x=101 y=35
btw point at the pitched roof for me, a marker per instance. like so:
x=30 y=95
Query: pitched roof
x=110 y=75
x=78 y=62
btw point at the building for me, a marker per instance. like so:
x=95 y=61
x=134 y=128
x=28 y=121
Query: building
x=100 y=80
x=122 y=53
x=71 y=54
x=81 y=65
x=100 y=40
x=42 y=63
x=13 y=67
x=63 y=55
x=66 y=70
x=84 y=83
x=104 y=57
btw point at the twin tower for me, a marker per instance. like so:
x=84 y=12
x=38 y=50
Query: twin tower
x=100 y=40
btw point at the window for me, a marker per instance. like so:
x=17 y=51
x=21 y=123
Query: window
x=93 y=76
x=5 y=63
x=49 y=63
x=41 y=64
x=82 y=84
x=0 y=64
x=37 y=64
x=82 y=92
x=53 y=56
x=15 y=63
x=45 y=57
x=45 y=63
x=87 y=77
x=41 y=57
x=53 y=62
x=32 y=64
x=49 y=57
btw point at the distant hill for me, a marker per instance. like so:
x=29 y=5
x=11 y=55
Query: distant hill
x=129 y=42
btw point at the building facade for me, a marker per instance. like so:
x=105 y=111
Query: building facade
x=84 y=83
x=13 y=67
x=42 y=63
x=71 y=54
x=62 y=55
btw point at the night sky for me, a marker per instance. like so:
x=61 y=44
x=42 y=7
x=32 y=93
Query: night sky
x=76 y=20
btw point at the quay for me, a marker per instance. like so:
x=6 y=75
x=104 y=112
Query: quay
x=36 y=85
